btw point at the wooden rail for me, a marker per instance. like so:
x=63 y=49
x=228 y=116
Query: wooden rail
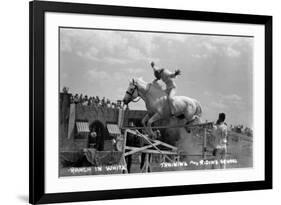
x=206 y=124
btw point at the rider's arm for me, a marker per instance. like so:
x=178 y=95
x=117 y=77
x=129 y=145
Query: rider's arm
x=155 y=80
x=156 y=71
x=155 y=68
x=172 y=74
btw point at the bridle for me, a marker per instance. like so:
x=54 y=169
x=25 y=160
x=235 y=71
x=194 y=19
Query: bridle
x=132 y=93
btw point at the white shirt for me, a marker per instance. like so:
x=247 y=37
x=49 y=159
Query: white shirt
x=220 y=134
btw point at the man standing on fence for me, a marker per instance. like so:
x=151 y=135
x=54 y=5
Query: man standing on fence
x=220 y=140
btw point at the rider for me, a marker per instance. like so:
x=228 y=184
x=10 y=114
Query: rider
x=168 y=78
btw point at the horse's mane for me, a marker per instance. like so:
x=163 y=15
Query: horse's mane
x=156 y=85
x=154 y=88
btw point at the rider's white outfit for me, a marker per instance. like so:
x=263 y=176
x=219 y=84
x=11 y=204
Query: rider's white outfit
x=168 y=78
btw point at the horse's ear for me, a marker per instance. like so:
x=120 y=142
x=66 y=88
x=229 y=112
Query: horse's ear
x=133 y=81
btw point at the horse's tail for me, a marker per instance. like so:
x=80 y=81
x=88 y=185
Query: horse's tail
x=197 y=114
x=198 y=110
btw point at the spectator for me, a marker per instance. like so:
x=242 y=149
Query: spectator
x=65 y=89
x=113 y=105
x=89 y=103
x=93 y=100
x=103 y=101
x=85 y=100
x=76 y=99
x=98 y=99
x=119 y=103
x=92 y=139
x=108 y=103
x=71 y=99
x=81 y=99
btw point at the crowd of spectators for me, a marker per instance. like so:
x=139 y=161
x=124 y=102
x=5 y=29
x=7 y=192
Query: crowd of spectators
x=241 y=129
x=93 y=100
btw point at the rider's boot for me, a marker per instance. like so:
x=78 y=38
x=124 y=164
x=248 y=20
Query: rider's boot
x=172 y=109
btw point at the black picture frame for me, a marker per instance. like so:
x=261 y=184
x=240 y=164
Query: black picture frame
x=37 y=9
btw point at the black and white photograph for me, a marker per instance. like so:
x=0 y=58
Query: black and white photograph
x=134 y=101
x=138 y=102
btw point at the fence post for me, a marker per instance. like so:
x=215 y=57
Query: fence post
x=204 y=144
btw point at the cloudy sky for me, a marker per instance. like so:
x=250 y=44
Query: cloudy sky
x=216 y=70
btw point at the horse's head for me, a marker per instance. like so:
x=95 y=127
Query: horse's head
x=131 y=93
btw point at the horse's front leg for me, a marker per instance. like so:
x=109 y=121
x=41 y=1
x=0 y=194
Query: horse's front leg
x=154 y=118
x=144 y=120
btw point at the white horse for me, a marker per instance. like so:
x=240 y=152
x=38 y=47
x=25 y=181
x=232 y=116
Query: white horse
x=155 y=99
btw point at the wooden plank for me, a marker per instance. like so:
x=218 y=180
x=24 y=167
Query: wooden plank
x=203 y=125
x=149 y=141
x=150 y=151
x=135 y=150
x=166 y=145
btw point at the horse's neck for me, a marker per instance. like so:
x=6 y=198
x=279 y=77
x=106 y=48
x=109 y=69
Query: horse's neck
x=151 y=93
x=143 y=88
